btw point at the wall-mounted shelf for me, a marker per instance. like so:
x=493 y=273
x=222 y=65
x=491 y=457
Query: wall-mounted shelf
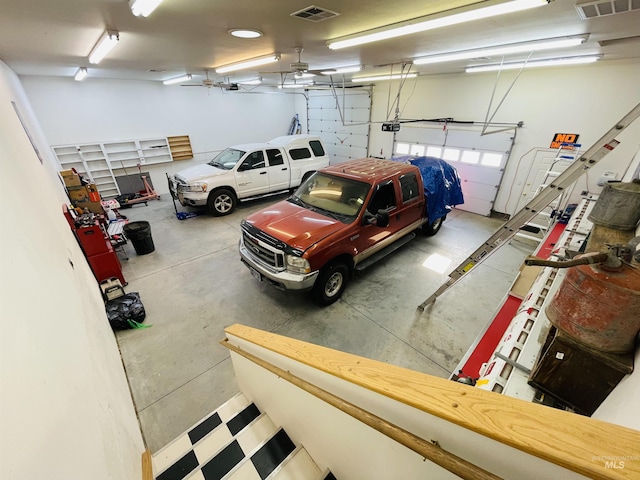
x=180 y=147
x=102 y=162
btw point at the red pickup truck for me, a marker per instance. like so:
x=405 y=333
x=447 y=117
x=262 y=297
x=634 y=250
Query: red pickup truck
x=344 y=218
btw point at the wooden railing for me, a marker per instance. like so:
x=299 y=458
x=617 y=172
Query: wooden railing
x=577 y=443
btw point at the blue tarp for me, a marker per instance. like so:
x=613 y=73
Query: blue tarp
x=441 y=184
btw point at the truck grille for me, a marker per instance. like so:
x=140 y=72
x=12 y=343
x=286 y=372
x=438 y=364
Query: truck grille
x=263 y=254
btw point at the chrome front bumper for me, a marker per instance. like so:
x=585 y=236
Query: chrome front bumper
x=283 y=280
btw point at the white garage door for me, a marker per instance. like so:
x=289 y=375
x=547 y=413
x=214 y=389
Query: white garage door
x=479 y=159
x=345 y=137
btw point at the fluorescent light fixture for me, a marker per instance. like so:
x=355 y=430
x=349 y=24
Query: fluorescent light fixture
x=353 y=69
x=254 y=62
x=532 y=46
x=107 y=41
x=240 y=33
x=434 y=21
x=80 y=74
x=254 y=81
x=379 y=78
x=143 y=8
x=295 y=85
x=181 y=78
x=548 y=62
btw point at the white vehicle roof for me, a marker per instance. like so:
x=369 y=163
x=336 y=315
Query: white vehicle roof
x=284 y=141
x=245 y=147
x=292 y=140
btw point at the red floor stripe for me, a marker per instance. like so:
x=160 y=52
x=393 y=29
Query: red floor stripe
x=489 y=341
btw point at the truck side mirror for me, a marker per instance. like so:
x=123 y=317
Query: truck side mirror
x=382 y=218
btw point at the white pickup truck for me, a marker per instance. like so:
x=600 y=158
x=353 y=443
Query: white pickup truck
x=251 y=170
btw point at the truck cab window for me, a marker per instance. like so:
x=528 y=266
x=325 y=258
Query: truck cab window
x=299 y=153
x=409 y=186
x=383 y=199
x=275 y=157
x=254 y=160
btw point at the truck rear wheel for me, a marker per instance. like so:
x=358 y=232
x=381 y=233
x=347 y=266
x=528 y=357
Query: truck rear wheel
x=221 y=202
x=430 y=229
x=330 y=284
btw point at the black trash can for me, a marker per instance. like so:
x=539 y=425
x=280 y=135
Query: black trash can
x=140 y=235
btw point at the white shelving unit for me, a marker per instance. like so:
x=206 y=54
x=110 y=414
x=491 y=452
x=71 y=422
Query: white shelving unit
x=103 y=162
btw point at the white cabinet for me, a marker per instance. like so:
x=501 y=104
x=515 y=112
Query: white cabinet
x=103 y=162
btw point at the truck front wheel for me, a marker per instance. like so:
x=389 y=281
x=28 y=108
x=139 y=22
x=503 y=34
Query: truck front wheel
x=330 y=284
x=221 y=202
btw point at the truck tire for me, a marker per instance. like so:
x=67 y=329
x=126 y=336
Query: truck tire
x=221 y=202
x=430 y=229
x=330 y=284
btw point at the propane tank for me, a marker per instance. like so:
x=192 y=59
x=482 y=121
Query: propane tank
x=599 y=306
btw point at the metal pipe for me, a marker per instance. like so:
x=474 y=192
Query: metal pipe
x=586 y=260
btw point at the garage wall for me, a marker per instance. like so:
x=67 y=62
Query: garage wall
x=65 y=406
x=98 y=110
x=587 y=100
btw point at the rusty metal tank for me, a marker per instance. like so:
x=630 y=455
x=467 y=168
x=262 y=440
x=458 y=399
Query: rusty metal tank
x=599 y=308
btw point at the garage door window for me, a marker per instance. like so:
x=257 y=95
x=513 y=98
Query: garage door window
x=469 y=156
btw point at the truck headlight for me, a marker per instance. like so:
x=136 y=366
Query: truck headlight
x=195 y=187
x=297 y=264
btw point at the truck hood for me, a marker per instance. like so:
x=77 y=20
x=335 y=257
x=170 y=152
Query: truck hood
x=296 y=226
x=199 y=172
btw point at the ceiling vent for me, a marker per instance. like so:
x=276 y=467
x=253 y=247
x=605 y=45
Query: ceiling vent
x=601 y=8
x=314 y=14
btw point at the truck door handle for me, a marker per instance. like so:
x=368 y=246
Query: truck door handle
x=283 y=169
x=263 y=173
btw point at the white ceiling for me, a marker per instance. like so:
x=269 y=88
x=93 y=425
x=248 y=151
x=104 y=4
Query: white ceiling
x=54 y=37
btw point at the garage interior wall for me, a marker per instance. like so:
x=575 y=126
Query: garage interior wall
x=587 y=100
x=118 y=110
x=66 y=410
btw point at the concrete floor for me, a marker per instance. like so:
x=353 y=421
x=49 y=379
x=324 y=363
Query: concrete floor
x=193 y=285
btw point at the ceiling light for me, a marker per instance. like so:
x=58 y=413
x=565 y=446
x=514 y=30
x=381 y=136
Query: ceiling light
x=384 y=77
x=254 y=62
x=295 y=85
x=549 y=62
x=431 y=22
x=254 y=81
x=181 y=78
x=143 y=8
x=503 y=50
x=80 y=74
x=245 y=33
x=356 y=68
x=108 y=40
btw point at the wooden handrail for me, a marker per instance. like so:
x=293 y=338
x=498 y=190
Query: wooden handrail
x=572 y=441
x=428 y=450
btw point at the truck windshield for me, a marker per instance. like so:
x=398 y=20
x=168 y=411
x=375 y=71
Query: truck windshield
x=335 y=197
x=227 y=158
